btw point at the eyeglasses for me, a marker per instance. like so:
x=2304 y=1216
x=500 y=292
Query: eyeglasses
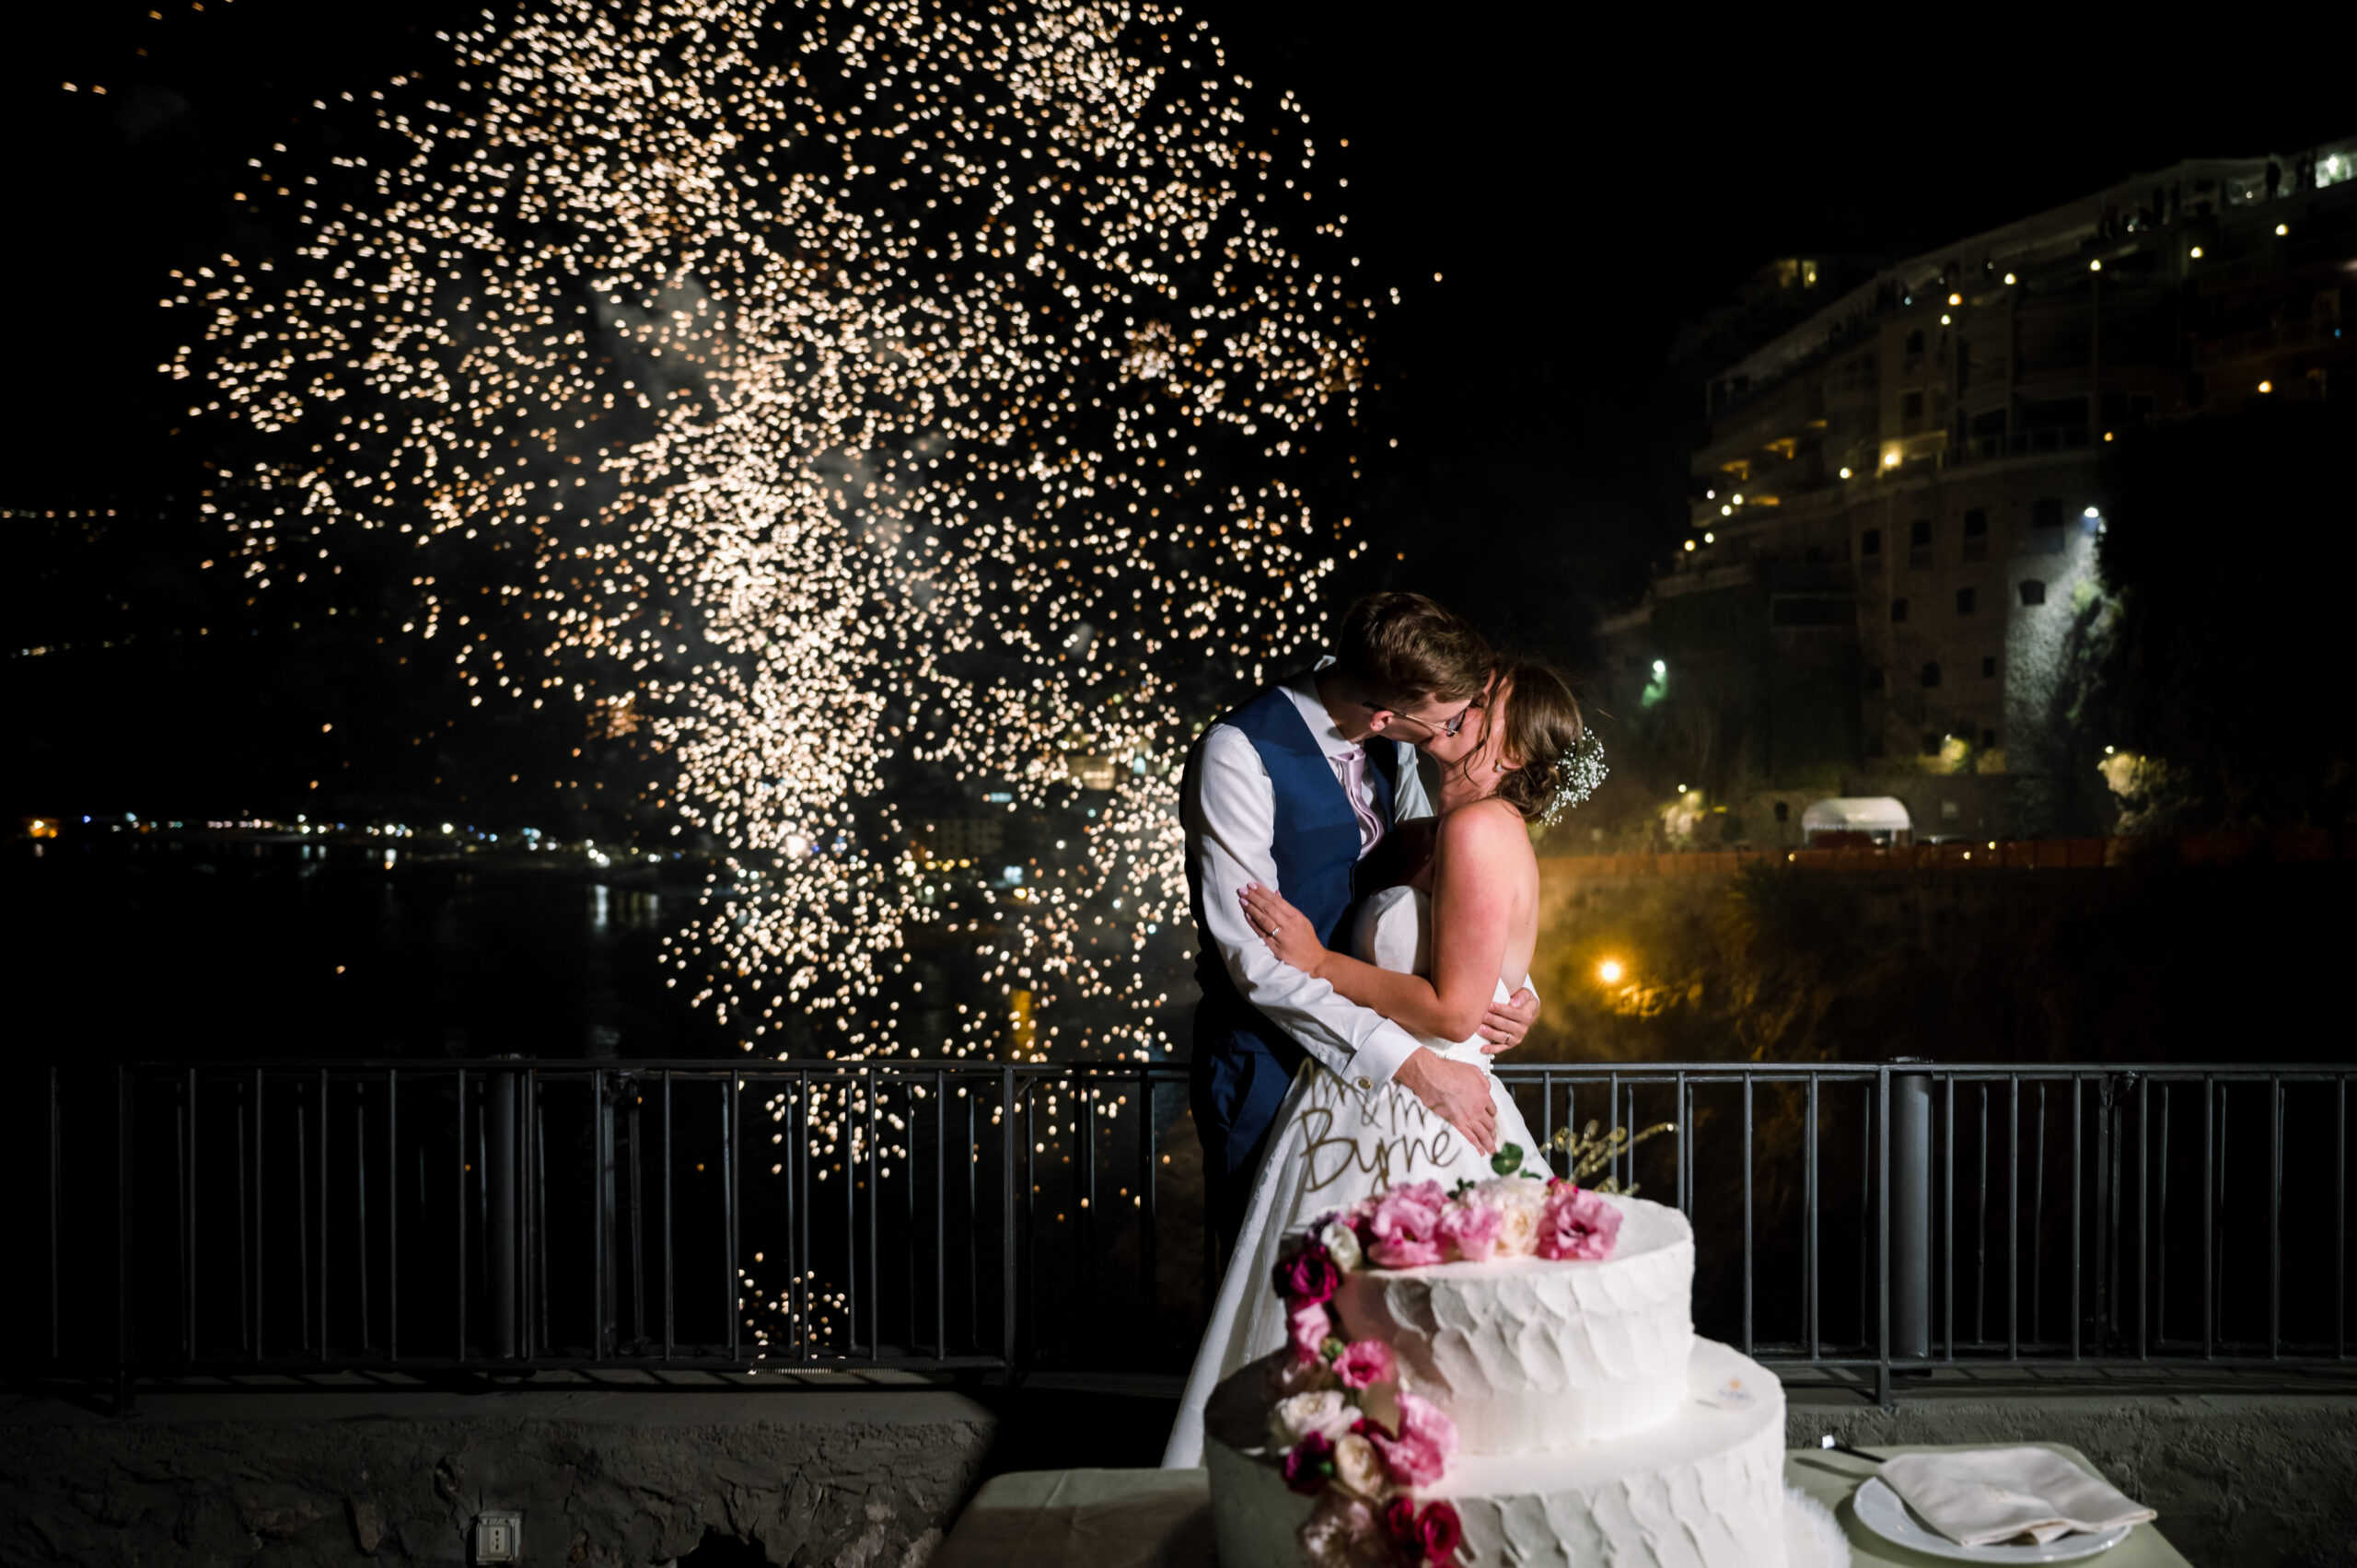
x=1447 y=731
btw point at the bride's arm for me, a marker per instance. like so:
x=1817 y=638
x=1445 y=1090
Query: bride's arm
x=1472 y=909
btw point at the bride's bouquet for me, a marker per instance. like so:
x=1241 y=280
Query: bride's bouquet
x=1348 y=1428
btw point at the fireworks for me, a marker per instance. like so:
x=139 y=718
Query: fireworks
x=854 y=397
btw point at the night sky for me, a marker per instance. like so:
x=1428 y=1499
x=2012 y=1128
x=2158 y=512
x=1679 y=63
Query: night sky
x=1580 y=185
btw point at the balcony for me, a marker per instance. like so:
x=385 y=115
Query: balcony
x=2020 y=444
x=2263 y=343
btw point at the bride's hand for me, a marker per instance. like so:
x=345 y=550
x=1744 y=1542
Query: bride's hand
x=1286 y=930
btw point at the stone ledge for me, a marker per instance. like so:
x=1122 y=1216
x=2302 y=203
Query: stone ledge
x=869 y=1477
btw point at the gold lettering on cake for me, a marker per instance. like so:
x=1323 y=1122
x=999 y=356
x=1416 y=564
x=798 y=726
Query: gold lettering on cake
x=1395 y=1133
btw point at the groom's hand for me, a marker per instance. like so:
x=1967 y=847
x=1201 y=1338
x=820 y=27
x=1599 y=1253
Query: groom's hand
x=1508 y=1021
x=1457 y=1092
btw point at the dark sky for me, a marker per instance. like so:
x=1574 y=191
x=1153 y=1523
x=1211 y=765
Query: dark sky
x=1582 y=181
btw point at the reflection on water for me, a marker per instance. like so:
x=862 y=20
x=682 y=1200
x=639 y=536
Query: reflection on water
x=157 y=948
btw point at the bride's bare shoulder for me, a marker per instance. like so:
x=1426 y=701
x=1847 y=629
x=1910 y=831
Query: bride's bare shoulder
x=1484 y=832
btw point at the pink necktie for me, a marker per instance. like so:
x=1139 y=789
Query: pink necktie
x=1355 y=785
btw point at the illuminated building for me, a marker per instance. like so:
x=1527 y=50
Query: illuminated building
x=1895 y=500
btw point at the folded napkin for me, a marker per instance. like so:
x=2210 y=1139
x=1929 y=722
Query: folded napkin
x=1982 y=1496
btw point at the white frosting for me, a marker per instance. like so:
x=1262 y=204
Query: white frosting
x=1528 y=1355
x=1702 y=1489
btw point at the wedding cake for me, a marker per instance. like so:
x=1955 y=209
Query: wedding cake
x=1506 y=1374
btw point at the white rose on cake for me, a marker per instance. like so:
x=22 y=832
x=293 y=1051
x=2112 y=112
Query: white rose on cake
x=1518 y=1202
x=1323 y=1410
x=1341 y=1244
x=1358 y=1467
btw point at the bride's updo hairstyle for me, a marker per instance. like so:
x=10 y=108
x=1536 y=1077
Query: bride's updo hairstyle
x=1405 y=650
x=1542 y=723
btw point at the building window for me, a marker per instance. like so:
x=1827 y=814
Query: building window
x=1915 y=341
x=1988 y=666
x=1988 y=740
x=1897 y=610
x=1918 y=542
x=1931 y=743
x=1976 y=535
x=1874 y=677
x=1783 y=811
x=1870 y=543
x=2033 y=591
x=1964 y=601
x=1931 y=674
x=1910 y=405
x=2046 y=512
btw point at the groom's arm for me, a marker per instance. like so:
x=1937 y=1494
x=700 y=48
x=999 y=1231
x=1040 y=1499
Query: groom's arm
x=1230 y=814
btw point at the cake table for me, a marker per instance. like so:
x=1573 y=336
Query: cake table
x=1153 y=1518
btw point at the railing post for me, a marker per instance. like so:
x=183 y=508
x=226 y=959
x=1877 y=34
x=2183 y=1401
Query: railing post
x=1909 y=1264
x=499 y=1253
x=123 y=1251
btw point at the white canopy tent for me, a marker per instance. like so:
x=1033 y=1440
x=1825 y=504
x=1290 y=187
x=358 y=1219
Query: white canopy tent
x=1879 y=817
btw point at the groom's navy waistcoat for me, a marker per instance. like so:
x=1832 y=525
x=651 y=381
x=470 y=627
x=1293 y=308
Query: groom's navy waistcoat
x=1243 y=1060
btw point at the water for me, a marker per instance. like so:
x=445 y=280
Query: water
x=153 y=948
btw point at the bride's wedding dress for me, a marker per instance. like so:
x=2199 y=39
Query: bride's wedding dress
x=1333 y=1145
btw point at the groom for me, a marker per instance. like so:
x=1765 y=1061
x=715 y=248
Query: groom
x=1296 y=790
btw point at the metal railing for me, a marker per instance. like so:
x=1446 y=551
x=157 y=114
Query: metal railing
x=490 y=1216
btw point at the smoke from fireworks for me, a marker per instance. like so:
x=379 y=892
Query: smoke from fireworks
x=857 y=395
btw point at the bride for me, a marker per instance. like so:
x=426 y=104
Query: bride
x=1433 y=956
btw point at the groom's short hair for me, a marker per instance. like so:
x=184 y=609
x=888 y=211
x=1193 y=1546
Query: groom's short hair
x=1407 y=650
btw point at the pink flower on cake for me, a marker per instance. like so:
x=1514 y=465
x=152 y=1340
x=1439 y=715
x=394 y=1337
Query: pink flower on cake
x=1411 y=1461
x=1309 y=1464
x=1471 y=1228
x=1439 y=1531
x=1577 y=1224
x=1338 y=1531
x=1405 y=1214
x=1365 y=1362
x=1309 y=1327
x=1427 y=1421
x=1404 y=1254
x=1308 y=1276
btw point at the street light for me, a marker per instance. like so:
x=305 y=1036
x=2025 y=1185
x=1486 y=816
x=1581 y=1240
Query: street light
x=1610 y=971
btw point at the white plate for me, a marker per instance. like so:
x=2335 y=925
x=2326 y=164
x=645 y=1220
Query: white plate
x=1882 y=1511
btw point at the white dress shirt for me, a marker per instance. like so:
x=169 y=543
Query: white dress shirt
x=1230 y=812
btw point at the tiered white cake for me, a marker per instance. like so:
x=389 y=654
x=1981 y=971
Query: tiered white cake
x=1594 y=1426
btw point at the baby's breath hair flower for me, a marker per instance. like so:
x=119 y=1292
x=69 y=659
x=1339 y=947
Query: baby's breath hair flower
x=1577 y=772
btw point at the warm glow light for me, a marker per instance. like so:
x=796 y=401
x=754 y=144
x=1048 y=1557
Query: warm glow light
x=2197 y=252
x=1955 y=299
x=2267 y=386
x=1710 y=539
x=1689 y=545
x=1738 y=498
x=1845 y=473
x=2009 y=277
x=1944 y=318
x=2282 y=228
x=1890 y=460
x=1610 y=971
x=2095 y=266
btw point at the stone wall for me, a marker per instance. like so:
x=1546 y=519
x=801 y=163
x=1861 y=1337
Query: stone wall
x=867 y=1478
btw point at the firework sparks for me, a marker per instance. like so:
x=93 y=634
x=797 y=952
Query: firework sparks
x=852 y=396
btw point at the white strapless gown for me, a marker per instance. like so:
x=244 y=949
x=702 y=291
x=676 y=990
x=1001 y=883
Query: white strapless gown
x=1333 y=1145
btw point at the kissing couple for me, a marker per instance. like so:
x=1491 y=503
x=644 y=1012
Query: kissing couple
x=1363 y=937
